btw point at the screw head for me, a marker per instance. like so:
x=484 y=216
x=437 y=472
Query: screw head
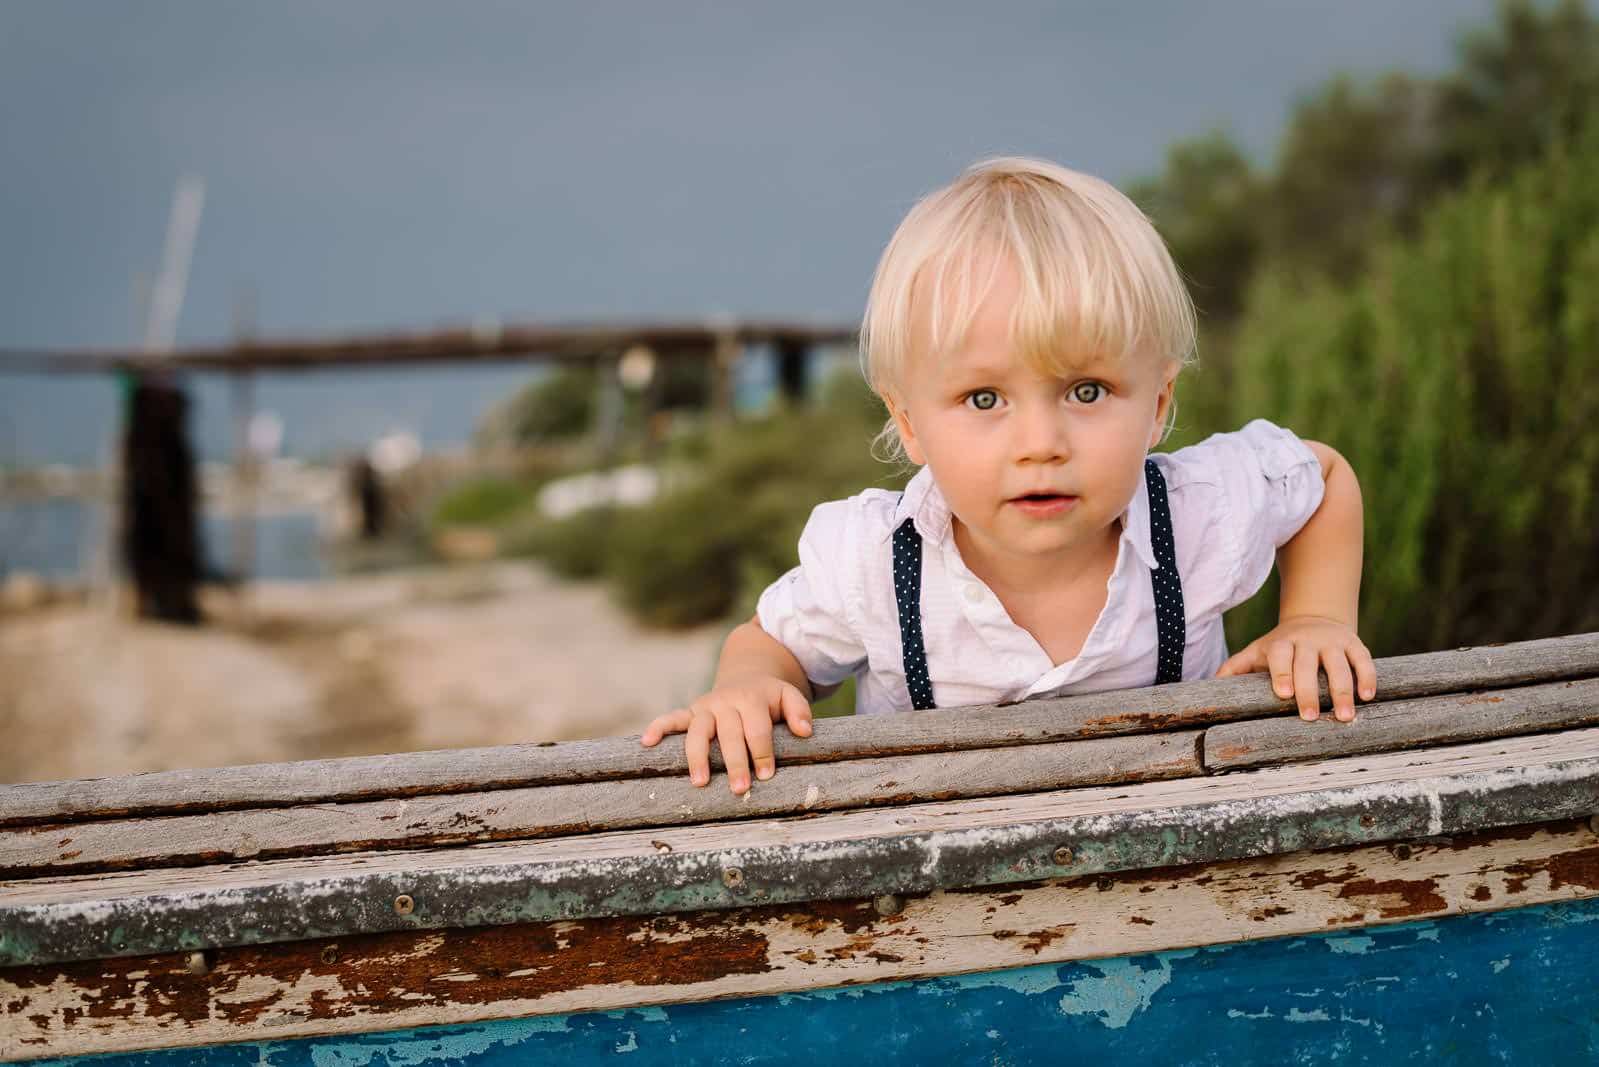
x=1063 y=857
x=198 y=964
x=732 y=877
x=404 y=905
x=888 y=904
x=330 y=954
x=1367 y=821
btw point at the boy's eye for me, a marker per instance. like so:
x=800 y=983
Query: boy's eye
x=983 y=399
x=1087 y=392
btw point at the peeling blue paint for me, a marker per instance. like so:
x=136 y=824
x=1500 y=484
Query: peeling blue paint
x=1380 y=997
x=1122 y=989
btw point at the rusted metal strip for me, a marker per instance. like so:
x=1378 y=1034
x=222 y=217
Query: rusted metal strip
x=559 y=810
x=1180 y=706
x=405 y=979
x=1405 y=723
x=914 y=849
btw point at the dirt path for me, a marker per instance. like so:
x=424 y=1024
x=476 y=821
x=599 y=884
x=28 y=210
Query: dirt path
x=427 y=659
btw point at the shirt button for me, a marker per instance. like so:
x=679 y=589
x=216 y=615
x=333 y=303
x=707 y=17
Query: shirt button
x=974 y=594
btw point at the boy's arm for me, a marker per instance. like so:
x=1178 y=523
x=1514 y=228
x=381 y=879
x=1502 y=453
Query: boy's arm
x=758 y=681
x=1320 y=603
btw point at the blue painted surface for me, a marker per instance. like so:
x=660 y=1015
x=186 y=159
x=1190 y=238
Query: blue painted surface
x=1512 y=986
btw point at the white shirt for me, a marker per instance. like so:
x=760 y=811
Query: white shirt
x=1235 y=498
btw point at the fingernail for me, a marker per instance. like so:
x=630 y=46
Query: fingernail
x=741 y=785
x=1367 y=693
x=763 y=773
x=700 y=779
x=1308 y=715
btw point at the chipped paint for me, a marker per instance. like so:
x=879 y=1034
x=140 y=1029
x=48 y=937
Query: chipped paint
x=1391 y=1004
x=1122 y=988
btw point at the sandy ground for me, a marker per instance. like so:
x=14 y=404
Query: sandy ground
x=446 y=658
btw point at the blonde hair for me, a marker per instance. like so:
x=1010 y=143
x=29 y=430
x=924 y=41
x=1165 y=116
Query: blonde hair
x=1095 y=278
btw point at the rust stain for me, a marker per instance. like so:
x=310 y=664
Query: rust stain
x=379 y=974
x=1262 y=914
x=1010 y=898
x=1140 y=920
x=1483 y=699
x=1405 y=896
x=1042 y=939
x=1579 y=867
x=1319 y=877
x=1231 y=751
x=1481 y=893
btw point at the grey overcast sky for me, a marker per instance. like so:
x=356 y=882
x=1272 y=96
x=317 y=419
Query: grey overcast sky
x=387 y=164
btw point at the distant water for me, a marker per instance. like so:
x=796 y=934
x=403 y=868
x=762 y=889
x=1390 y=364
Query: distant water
x=52 y=538
x=327 y=415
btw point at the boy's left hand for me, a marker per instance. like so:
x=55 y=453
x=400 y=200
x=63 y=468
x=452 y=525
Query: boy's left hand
x=1296 y=650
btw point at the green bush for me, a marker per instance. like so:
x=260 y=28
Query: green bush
x=1460 y=377
x=707 y=549
x=483 y=502
x=577 y=547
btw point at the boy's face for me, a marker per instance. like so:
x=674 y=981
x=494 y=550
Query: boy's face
x=1035 y=468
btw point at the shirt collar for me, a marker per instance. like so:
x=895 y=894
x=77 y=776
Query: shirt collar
x=925 y=504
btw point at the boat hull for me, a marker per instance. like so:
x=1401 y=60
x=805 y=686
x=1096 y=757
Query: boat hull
x=1512 y=985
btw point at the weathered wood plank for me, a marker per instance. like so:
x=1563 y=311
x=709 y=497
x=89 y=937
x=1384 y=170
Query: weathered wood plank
x=1401 y=723
x=1185 y=705
x=405 y=979
x=556 y=810
x=917 y=848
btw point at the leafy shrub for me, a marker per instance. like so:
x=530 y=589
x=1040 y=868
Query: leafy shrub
x=483 y=502
x=708 y=548
x=1458 y=377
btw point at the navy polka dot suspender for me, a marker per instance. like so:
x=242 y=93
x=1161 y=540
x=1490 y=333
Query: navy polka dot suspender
x=1170 y=628
x=1171 y=633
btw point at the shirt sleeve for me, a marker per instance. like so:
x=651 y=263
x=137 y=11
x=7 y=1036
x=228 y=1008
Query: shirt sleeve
x=1271 y=484
x=810 y=609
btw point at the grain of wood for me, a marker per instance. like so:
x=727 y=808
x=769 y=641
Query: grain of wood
x=1405 y=723
x=1185 y=705
x=558 y=810
x=916 y=848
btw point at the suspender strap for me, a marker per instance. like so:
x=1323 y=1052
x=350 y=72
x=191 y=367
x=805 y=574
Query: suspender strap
x=908 y=595
x=1171 y=630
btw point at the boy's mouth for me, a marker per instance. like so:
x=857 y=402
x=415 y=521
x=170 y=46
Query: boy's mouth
x=1043 y=503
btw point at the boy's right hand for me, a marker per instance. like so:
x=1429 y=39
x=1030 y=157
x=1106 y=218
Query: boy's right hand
x=739 y=714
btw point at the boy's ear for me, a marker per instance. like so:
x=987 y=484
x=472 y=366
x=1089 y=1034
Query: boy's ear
x=907 y=432
x=1163 y=403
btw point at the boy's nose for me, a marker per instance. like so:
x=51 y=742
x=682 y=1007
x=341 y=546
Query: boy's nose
x=1040 y=437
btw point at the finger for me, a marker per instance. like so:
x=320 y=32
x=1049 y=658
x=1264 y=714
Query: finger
x=673 y=722
x=1340 y=684
x=796 y=711
x=697 y=745
x=730 y=735
x=1280 y=661
x=1246 y=662
x=757 y=724
x=1365 y=671
x=1306 y=691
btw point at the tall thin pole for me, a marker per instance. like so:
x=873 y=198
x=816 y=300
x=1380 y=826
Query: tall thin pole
x=166 y=300
x=246 y=471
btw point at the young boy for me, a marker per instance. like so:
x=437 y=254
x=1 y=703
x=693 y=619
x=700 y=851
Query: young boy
x=1025 y=329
